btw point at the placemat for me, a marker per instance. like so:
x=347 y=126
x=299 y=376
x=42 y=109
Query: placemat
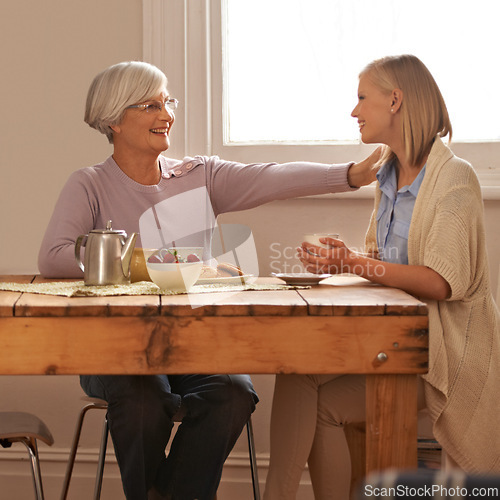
x=79 y=289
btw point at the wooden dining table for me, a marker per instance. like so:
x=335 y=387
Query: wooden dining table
x=344 y=325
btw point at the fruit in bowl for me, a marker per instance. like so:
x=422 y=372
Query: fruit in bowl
x=176 y=269
x=180 y=255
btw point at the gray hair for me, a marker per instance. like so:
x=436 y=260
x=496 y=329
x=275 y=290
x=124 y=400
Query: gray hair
x=117 y=87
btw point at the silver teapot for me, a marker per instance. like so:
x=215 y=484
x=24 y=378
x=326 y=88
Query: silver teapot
x=107 y=256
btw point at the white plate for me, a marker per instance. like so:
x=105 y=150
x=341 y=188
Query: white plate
x=301 y=278
x=225 y=280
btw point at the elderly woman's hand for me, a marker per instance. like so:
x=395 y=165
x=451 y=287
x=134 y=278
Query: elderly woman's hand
x=364 y=172
x=335 y=259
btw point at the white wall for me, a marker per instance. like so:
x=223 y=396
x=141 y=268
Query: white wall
x=51 y=51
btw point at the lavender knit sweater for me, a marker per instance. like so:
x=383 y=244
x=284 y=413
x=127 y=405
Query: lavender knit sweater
x=188 y=198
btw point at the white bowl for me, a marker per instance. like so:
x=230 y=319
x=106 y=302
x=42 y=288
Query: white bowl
x=175 y=277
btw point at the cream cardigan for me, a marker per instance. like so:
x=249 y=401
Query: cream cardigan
x=463 y=383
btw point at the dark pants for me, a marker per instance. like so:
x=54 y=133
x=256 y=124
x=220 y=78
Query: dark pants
x=140 y=414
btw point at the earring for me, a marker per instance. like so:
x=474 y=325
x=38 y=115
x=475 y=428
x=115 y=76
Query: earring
x=392 y=110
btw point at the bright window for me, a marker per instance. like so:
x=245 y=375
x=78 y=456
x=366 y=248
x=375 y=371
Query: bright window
x=291 y=66
x=276 y=80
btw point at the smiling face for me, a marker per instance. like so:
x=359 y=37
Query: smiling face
x=376 y=113
x=145 y=133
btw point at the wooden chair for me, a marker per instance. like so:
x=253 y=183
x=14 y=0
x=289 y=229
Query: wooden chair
x=26 y=428
x=100 y=404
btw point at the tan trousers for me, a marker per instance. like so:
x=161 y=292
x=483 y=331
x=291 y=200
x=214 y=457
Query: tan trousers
x=308 y=415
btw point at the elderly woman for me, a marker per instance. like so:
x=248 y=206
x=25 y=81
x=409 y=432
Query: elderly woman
x=130 y=104
x=427 y=230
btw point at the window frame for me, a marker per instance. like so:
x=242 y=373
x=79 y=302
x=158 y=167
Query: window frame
x=184 y=39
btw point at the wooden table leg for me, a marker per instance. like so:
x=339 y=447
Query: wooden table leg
x=391 y=421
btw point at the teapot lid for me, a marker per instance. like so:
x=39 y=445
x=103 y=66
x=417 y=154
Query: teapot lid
x=109 y=230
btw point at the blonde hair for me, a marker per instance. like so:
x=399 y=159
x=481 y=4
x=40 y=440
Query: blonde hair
x=117 y=87
x=423 y=110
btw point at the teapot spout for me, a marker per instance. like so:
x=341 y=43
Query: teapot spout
x=127 y=251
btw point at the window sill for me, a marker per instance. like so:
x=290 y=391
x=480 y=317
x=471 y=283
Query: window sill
x=490 y=192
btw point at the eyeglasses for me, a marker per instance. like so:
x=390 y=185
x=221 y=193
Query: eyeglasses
x=157 y=106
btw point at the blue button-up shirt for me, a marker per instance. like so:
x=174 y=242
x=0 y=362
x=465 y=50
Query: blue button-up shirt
x=394 y=214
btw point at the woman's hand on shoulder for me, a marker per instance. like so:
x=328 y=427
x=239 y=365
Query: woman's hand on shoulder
x=365 y=172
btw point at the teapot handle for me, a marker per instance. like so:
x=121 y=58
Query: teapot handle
x=78 y=246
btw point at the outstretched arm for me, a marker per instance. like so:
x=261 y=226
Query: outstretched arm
x=364 y=172
x=236 y=186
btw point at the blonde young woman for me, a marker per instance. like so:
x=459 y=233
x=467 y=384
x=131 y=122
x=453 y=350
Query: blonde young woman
x=428 y=231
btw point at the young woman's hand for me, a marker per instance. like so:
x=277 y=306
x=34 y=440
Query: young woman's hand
x=420 y=281
x=335 y=259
